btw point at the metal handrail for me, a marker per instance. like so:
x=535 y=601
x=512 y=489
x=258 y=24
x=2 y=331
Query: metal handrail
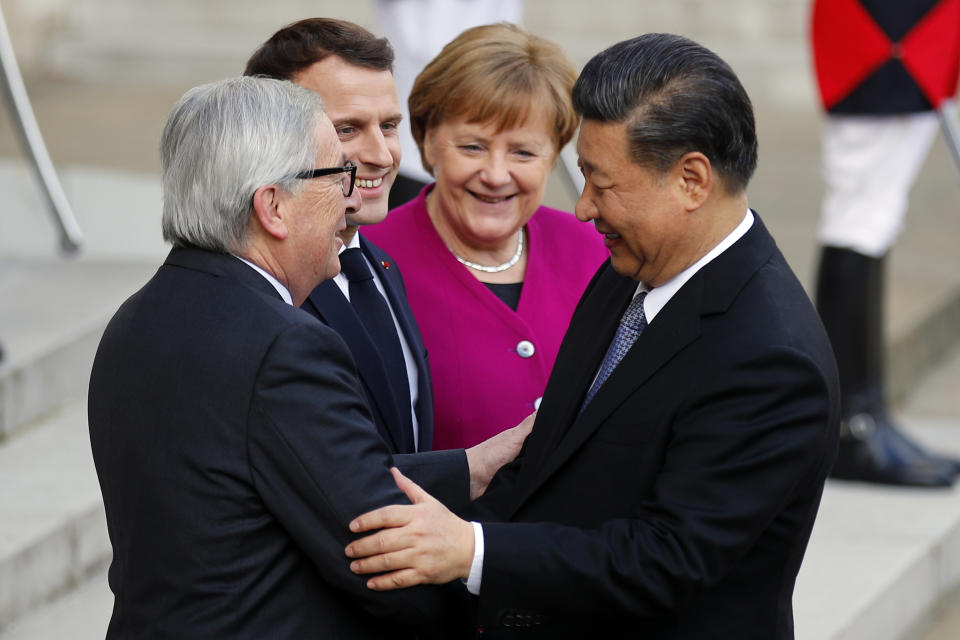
x=947 y=112
x=70 y=235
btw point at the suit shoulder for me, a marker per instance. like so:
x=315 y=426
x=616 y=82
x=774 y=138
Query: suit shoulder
x=562 y=229
x=551 y=217
x=303 y=327
x=779 y=313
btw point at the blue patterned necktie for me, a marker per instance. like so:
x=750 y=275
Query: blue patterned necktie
x=632 y=323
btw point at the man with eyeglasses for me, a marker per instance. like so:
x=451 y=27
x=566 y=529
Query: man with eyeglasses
x=228 y=427
x=351 y=70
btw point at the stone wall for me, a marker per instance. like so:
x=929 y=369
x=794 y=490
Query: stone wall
x=190 y=41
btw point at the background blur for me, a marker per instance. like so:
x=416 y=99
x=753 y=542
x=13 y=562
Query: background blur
x=102 y=76
x=104 y=73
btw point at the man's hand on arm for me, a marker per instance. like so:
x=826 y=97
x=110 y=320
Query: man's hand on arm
x=421 y=543
x=486 y=458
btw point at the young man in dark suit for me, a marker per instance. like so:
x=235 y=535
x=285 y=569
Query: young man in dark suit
x=351 y=70
x=229 y=430
x=675 y=468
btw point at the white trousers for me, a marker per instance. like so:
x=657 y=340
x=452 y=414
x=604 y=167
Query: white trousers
x=869 y=165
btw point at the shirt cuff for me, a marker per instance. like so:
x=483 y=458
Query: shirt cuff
x=476 y=567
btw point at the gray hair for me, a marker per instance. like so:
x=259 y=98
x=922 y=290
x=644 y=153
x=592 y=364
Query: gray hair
x=222 y=142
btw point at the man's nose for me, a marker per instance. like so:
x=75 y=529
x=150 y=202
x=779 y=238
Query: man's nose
x=376 y=151
x=585 y=208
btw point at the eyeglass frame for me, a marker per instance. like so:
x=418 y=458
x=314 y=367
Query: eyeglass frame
x=349 y=168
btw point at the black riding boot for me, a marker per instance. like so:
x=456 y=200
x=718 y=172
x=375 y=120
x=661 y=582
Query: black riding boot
x=850 y=288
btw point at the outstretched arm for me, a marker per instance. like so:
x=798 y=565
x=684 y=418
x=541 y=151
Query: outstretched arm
x=750 y=449
x=486 y=458
x=420 y=543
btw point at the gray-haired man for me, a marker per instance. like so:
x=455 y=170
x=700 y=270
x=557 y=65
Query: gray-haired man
x=229 y=429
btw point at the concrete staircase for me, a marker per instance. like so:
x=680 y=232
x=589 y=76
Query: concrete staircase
x=52 y=527
x=880 y=560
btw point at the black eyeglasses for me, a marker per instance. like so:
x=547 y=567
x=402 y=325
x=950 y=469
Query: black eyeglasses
x=346 y=185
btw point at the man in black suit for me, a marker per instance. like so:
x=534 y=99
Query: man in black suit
x=352 y=71
x=228 y=427
x=675 y=468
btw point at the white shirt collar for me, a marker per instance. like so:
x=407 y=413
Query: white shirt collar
x=282 y=290
x=340 y=279
x=354 y=243
x=658 y=298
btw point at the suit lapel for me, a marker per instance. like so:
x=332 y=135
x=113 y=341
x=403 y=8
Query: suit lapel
x=661 y=341
x=584 y=345
x=676 y=326
x=396 y=293
x=335 y=310
x=711 y=290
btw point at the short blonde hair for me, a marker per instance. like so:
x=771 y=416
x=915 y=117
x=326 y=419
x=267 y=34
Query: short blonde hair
x=496 y=73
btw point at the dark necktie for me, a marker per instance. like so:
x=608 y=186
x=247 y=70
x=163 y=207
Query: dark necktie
x=375 y=315
x=632 y=323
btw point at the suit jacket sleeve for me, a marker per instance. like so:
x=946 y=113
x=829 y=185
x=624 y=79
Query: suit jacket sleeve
x=317 y=463
x=443 y=474
x=743 y=446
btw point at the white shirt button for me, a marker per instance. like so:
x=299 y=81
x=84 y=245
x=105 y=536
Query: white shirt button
x=525 y=349
x=536 y=403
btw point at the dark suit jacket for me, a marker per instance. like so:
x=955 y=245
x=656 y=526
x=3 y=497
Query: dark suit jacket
x=329 y=304
x=233 y=447
x=680 y=502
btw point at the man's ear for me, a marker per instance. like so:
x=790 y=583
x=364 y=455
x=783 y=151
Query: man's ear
x=268 y=209
x=695 y=179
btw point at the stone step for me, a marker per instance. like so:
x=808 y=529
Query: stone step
x=81 y=614
x=52 y=316
x=52 y=526
x=879 y=560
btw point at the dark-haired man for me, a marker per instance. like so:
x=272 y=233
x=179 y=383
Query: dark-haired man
x=351 y=70
x=675 y=468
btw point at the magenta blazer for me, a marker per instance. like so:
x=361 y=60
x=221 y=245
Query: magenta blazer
x=490 y=364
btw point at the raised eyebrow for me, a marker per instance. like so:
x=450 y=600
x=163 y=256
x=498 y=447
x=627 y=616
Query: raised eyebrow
x=396 y=117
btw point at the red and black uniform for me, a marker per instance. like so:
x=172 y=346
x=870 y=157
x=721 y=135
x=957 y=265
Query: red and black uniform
x=882 y=67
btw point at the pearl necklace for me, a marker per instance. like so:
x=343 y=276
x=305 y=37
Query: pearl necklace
x=498 y=268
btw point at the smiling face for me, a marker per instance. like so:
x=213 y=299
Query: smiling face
x=489 y=182
x=639 y=211
x=362 y=104
x=314 y=215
